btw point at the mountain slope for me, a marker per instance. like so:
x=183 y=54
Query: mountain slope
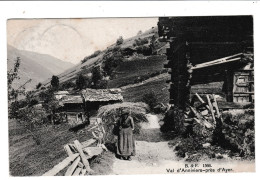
x=35 y=66
x=145 y=62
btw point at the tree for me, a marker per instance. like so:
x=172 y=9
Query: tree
x=102 y=84
x=12 y=74
x=55 y=82
x=82 y=82
x=67 y=85
x=111 y=61
x=38 y=85
x=96 y=76
x=139 y=33
x=120 y=40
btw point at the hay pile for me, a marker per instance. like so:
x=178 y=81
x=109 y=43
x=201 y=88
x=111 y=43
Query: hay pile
x=238 y=129
x=110 y=115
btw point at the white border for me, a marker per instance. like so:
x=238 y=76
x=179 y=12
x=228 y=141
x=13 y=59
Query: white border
x=119 y=9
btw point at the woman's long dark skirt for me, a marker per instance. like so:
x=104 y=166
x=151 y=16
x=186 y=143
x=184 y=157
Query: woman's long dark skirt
x=126 y=143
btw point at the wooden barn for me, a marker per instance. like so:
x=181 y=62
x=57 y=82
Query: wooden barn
x=94 y=98
x=209 y=49
x=73 y=107
x=78 y=108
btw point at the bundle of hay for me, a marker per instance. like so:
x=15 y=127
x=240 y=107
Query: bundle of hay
x=110 y=115
x=239 y=130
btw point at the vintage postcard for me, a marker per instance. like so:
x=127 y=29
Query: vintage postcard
x=121 y=96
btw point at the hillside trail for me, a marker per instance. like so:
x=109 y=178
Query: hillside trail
x=153 y=154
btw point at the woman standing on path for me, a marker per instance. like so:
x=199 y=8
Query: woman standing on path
x=126 y=143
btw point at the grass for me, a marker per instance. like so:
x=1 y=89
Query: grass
x=29 y=159
x=129 y=71
x=135 y=94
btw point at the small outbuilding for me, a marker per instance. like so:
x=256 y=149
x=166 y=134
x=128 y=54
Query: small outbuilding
x=94 y=98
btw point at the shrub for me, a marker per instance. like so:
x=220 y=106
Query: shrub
x=33 y=102
x=150 y=99
x=111 y=61
x=120 y=40
x=67 y=85
x=82 y=82
x=145 y=50
x=96 y=76
x=140 y=42
x=38 y=85
x=55 y=82
x=95 y=54
x=102 y=84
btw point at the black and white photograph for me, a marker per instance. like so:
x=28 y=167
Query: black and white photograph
x=92 y=96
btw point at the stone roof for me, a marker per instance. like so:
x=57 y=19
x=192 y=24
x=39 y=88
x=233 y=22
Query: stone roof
x=102 y=95
x=61 y=92
x=71 y=99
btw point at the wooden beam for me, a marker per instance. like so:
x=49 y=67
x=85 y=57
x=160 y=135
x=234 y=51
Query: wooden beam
x=244 y=92
x=200 y=119
x=215 y=104
x=83 y=156
x=88 y=142
x=211 y=109
x=68 y=150
x=83 y=172
x=77 y=171
x=202 y=101
x=61 y=165
x=218 y=61
x=71 y=169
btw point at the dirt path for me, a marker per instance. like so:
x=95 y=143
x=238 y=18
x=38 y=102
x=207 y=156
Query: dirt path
x=152 y=154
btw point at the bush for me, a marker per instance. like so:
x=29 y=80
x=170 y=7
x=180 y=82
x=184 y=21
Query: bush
x=120 y=40
x=96 y=76
x=55 y=82
x=95 y=54
x=38 y=85
x=112 y=60
x=145 y=50
x=102 y=84
x=33 y=102
x=150 y=99
x=82 y=82
x=67 y=85
x=140 y=42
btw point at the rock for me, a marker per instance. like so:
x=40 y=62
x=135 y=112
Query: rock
x=206 y=145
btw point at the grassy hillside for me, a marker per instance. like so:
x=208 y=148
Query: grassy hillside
x=159 y=87
x=129 y=72
x=29 y=159
x=146 y=63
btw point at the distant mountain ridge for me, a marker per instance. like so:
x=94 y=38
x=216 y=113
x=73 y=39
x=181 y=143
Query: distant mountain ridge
x=35 y=66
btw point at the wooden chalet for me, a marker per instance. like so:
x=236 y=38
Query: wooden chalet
x=94 y=98
x=79 y=108
x=73 y=107
x=209 y=49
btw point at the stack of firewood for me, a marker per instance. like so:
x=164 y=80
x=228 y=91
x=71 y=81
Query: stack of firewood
x=77 y=161
x=203 y=118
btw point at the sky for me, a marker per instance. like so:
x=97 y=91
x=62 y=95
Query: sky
x=72 y=39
